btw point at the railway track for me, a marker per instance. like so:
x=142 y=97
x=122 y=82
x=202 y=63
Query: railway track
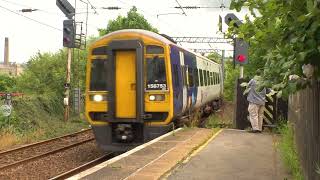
x=19 y=156
x=83 y=167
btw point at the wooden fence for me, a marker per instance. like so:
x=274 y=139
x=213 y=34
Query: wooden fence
x=304 y=113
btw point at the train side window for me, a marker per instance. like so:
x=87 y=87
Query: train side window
x=190 y=77
x=176 y=75
x=214 y=78
x=208 y=77
x=153 y=49
x=201 y=77
x=196 y=77
x=184 y=75
x=204 y=78
x=98 y=75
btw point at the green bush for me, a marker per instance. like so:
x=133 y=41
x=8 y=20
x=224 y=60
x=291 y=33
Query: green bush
x=231 y=75
x=288 y=152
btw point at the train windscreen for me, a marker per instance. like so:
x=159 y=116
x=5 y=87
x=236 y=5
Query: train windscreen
x=156 y=74
x=98 y=77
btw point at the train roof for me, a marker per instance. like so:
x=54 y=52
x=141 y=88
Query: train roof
x=142 y=32
x=154 y=36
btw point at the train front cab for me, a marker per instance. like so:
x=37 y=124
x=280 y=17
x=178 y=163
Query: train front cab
x=128 y=99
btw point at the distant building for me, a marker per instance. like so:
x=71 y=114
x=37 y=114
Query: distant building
x=7 y=67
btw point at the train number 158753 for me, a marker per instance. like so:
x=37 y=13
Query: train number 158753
x=157 y=86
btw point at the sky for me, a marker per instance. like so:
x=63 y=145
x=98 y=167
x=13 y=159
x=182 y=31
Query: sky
x=27 y=37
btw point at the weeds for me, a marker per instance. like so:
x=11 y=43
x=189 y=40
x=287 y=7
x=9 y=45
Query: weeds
x=288 y=151
x=34 y=119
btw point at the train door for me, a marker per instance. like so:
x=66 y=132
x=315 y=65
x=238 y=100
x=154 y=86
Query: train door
x=125 y=84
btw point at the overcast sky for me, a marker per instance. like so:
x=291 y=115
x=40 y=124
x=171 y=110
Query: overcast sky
x=28 y=37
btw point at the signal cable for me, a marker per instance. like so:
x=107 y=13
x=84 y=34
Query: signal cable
x=28 y=8
x=39 y=22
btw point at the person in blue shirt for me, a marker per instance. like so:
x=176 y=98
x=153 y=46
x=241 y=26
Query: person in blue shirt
x=256 y=101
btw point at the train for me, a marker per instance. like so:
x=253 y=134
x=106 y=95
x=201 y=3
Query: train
x=138 y=83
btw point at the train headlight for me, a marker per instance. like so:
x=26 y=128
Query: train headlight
x=157 y=97
x=152 y=97
x=97 y=98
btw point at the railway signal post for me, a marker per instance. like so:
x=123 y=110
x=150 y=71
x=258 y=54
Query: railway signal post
x=69 y=42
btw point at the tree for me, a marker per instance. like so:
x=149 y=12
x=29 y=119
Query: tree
x=283 y=36
x=45 y=74
x=7 y=83
x=134 y=20
x=215 y=57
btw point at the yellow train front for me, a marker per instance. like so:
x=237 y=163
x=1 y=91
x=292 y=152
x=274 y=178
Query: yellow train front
x=130 y=94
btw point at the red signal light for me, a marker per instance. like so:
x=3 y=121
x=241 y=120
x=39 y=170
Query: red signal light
x=241 y=58
x=66 y=40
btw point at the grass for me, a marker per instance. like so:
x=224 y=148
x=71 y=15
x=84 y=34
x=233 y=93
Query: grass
x=36 y=118
x=222 y=118
x=9 y=137
x=288 y=152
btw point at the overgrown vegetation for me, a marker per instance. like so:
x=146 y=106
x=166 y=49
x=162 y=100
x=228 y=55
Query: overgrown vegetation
x=231 y=74
x=283 y=36
x=288 y=151
x=222 y=118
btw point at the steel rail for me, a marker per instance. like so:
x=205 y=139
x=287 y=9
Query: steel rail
x=44 y=154
x=83 y=167
x=42 y=142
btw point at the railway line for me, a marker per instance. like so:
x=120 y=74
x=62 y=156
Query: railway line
x=50 y=158
x=83 y=167
x=18 y=156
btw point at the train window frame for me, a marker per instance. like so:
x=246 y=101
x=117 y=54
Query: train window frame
x=190 y=77
x=211 y=77
x=154 y=53
x=103 y=76
x=201 y=77
x=196 y=77
x=214 y=78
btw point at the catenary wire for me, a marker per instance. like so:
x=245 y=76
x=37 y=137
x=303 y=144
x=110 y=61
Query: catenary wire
x=39 y=22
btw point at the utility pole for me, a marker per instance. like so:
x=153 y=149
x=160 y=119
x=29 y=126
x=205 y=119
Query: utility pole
x=67 y=87
x=241 y=71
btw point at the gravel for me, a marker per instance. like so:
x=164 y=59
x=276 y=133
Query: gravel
x=54 y=164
